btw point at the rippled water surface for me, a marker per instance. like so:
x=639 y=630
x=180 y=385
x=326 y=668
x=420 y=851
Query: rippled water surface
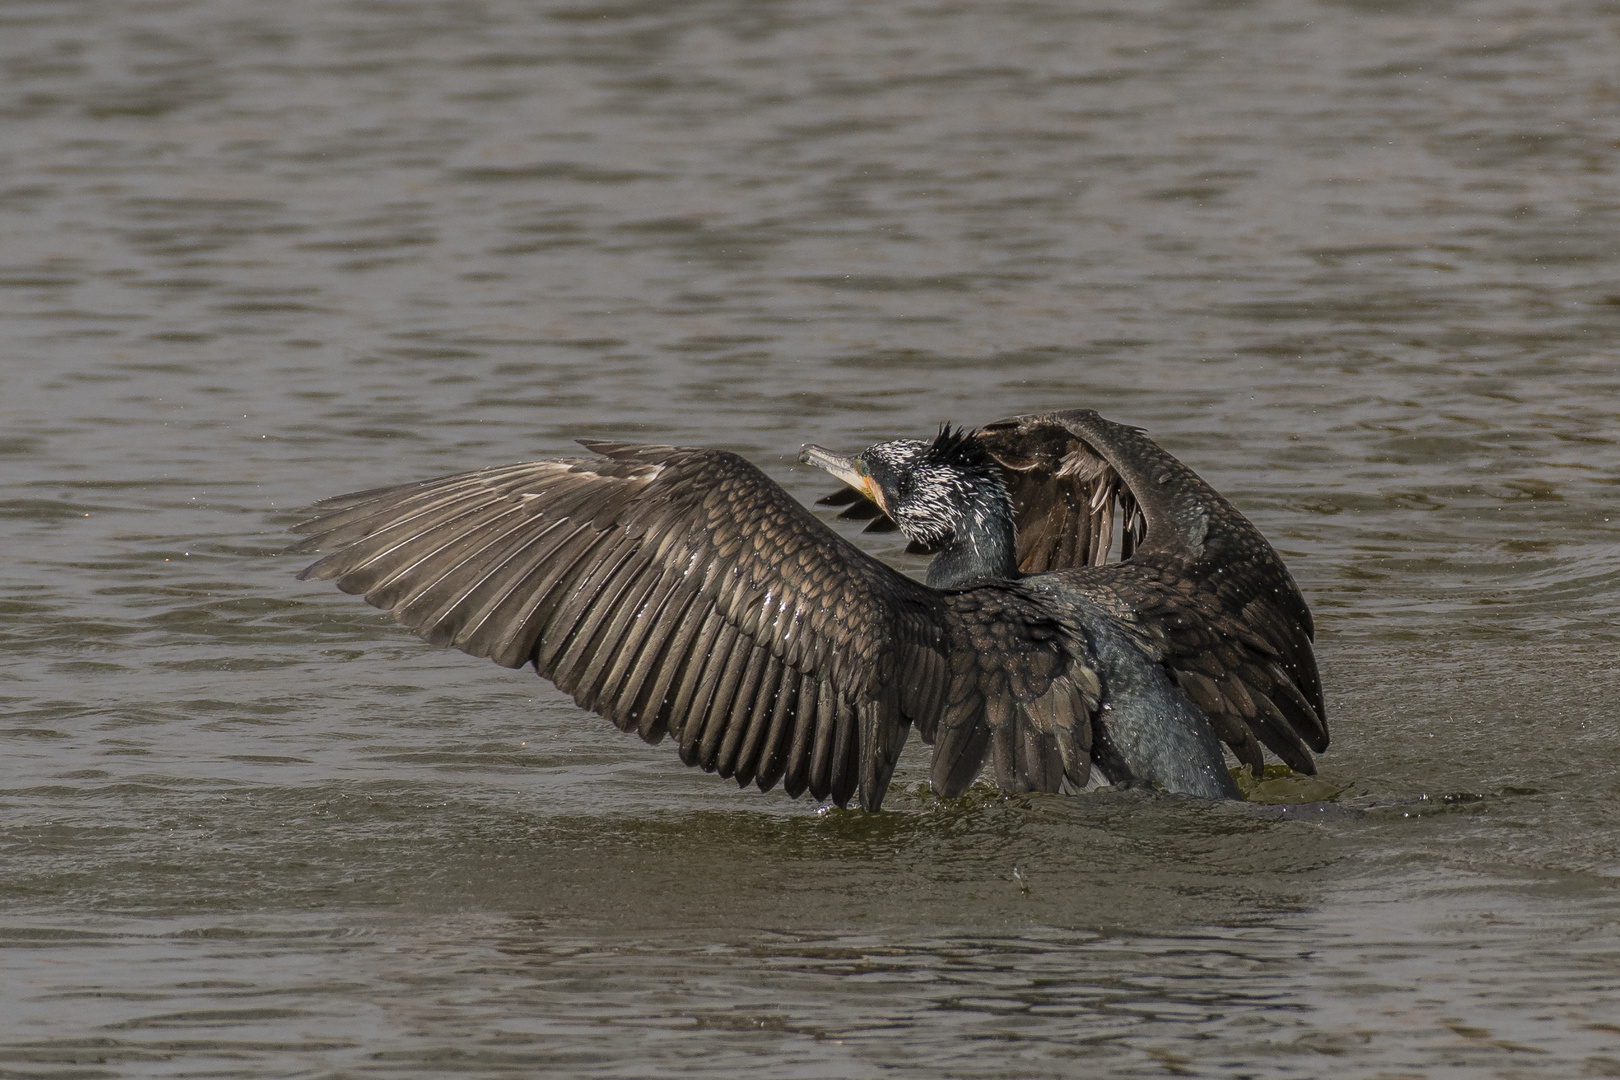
x=1356 y=262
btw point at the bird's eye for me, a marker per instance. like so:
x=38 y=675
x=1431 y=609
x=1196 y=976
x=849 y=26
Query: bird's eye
x=903 y=488
x=860 y=467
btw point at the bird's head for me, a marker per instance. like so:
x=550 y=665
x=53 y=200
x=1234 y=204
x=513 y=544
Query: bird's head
x=936 y=491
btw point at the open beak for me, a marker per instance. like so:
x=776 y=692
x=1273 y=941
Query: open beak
x=843 y=469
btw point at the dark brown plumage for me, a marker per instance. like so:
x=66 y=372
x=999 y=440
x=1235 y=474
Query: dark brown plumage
x=681 y=592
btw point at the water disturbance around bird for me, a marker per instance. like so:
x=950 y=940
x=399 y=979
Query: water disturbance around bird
x=1354 y=263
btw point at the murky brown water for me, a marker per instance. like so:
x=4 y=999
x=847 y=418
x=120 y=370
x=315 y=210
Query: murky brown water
x=1358 y=263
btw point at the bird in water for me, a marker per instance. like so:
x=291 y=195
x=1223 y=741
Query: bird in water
x=680 y=592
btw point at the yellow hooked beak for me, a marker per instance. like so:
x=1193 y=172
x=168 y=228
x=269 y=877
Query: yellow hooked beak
x=850 y=472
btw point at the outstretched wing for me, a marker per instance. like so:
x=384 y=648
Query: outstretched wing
x=674 y=591
x=1235 y=631
x=682 y=592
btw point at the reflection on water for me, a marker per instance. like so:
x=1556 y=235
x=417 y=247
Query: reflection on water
x=1355 y=263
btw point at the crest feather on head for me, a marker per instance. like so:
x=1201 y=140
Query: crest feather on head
x=958 y=445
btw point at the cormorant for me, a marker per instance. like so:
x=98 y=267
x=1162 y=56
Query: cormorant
x=681 y=592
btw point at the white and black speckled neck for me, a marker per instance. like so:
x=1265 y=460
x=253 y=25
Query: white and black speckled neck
x=948 y=495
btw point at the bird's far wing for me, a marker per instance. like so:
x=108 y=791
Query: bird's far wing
x=671 y=590
x=1238 y=633
x=1022 y=690
x=1063 y=494
x=1234 y=614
